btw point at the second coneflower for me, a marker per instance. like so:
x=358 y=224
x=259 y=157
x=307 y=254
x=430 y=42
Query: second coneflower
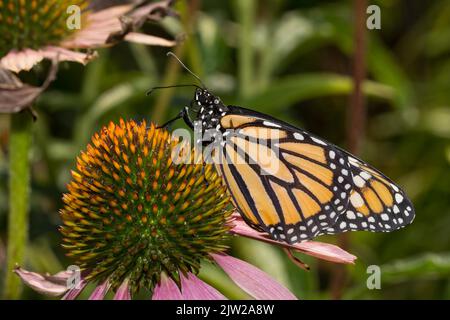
x=136 y=218
x=33 y=30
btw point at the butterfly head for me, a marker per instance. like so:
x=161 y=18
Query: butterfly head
x=210 y=108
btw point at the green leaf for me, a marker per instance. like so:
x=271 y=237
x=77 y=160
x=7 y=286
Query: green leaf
x=292 y=89
x=111 y=99
x=429 y=265
x=424 y=267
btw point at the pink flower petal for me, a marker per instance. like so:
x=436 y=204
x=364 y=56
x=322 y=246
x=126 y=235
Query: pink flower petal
x=109 y=13
x=149 y=40
x=15 y=95
x=17 y=61
x=192 y=288
x=252 y=280
x=154 y=10
x=145 y=10
x=61 y=54
x=325 y=251
x=123 y=292
x=166 y=289
x=72 y=294
x=25 y=59
x=105 y=27
x=317 y=249
x=100 y=291
x=49 y=285
x=99 y=26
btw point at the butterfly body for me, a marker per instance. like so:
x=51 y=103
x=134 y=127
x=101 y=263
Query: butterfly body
x=291 y=184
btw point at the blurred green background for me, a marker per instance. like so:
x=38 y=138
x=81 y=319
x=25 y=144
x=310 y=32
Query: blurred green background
x=291 y=59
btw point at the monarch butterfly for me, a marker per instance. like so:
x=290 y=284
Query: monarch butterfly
x=318 y=188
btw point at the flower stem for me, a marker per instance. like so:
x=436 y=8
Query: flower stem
x=355 y=124
x=19 y=180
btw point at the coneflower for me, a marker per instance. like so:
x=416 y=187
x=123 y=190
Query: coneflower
x=131 y=214
x=33 y=30
x=136 y=218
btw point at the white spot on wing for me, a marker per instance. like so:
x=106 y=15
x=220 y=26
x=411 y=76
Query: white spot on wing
x=318 y=141
x=394 y=187
x=358 y=181
x=365 y=175
x=353 y=160
x=356 y=200
x=350 y=215
x=299 y=136
x=271 y=124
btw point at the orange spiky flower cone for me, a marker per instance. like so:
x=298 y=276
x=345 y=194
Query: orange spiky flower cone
x=132 y=213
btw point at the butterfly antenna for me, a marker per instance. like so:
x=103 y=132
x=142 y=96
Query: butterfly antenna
x=170 y=53
x=149 y=92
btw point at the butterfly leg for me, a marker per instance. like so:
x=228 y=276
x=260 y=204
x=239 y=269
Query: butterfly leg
x=296 y=260
x=186 y=117
x=184 y=114
x=204 y=174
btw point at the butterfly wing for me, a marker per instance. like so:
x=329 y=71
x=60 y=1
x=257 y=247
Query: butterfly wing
x=376 y=203
x=282 y=179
